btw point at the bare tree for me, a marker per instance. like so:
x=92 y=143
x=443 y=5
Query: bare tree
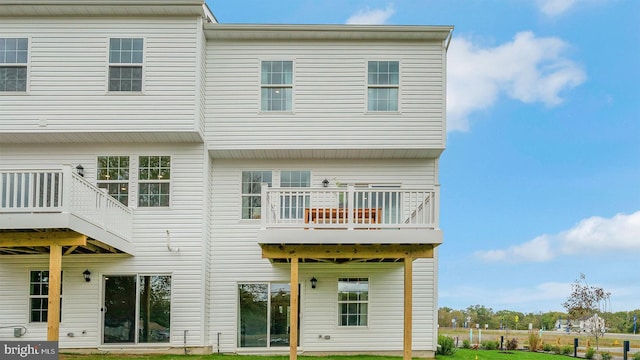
x=584 y=303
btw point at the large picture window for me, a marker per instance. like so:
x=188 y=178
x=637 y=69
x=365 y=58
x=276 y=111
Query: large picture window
x=276 y=85
x=251 y=192
x=14 y=54
x=154 y=175
x=39 y=296
x=265 y=314
x=353 y=301
x=383 y=84
x=125 y=64
x=113 y=175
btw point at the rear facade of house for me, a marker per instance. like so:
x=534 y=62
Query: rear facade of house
x=174 y=176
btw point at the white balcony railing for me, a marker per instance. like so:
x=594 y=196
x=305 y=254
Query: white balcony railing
x=42 y=191
x=349 y=207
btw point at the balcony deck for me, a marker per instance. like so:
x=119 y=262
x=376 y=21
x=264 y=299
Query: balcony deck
x=349 y=216
x=37 y=203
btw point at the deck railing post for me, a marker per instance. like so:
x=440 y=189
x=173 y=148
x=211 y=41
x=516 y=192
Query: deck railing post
x=264 y=203
x=350 y=206
x=67 y=187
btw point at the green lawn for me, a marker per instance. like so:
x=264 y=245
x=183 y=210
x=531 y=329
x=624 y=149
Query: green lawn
x=461 y=354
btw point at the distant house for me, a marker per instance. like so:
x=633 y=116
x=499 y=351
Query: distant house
x=591 y=323
x=561 y=325
x=169 y=182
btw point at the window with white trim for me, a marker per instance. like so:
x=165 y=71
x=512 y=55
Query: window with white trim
x=276 y=85
x=154 y=175
x=251 y=192
x=39 y=296
x=14 y=54
x=353 y=301
x=383 y=85
x=113 y=175
x=294 y=203
x=125 y=64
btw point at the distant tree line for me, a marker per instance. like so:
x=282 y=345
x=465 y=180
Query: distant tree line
x=616 y=322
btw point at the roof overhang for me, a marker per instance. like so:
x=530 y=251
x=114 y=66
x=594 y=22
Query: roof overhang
x=284 y=154
x=327 y=32
x=106 y=8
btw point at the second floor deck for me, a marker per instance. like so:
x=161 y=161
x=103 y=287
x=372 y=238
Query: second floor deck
x=58 y=200
x=350 y=215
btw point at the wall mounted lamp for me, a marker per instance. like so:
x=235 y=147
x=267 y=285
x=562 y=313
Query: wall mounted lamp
x=325 y=183
x=314 y=282
x=80 y=170
x=87 y=275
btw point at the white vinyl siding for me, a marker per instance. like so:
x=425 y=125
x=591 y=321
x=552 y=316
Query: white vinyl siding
x=153 y=229
x=233 y=242
x=68 y=80
x=330 y=97
x=14 y=55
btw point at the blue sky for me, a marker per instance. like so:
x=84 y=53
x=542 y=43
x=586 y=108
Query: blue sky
x=541 y=176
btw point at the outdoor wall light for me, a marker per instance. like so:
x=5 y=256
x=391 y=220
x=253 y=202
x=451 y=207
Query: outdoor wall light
x=314 y=282
x=80 y=170
x=325 y=183
x=87 y=275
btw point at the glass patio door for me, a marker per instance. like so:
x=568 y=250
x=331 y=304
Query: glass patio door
x=119 y=309
x=265 y=315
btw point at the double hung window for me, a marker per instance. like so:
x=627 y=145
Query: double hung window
x=294 y=202
x=383 y=85
x=276 y=85
x=125 y=64
x=113 y=175
x=14 y=53
x=154 y=175
x=353 y=301
x=39 y=296
x=251 y=192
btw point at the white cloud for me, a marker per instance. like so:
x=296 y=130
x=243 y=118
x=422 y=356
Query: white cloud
x=528 y=69
x=592 y=235
x=372 y=16
x=555 y=7
x=622 y=232
x=536 y=250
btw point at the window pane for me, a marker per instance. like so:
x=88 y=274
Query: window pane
x=280 y=314
x=13 y=78
x=252 y=329
x=352 y=299
x=155 y=309
x=154 y=173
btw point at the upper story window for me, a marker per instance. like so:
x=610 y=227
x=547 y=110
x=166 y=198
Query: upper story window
x=276 y=85
x=113 y=175
x=125 y=64
x=154 y=175
x=293 y=204
x=383 y=85
x=251 y=192
x=14 y=53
